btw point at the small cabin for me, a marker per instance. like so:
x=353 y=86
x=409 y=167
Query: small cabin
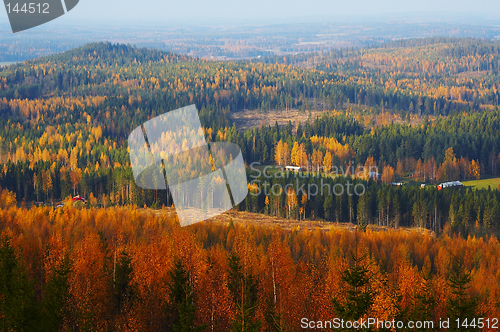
x=450 y=184
x=294 y=168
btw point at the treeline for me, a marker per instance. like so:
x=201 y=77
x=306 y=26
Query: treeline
x=361 y=202
x=474 y=136
x=50 y=165
x=466 y=46
x=119 y=70
x=445 y=74
x=125 y=269
x=70 y=138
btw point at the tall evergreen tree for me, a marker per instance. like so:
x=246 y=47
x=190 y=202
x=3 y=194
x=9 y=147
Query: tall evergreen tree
x=460 y=304
x=54 y=297
x=122 y=275
x=359 y=296
x=182 y=306
x=274 y=318
x=18 y=306
x=243 y=288
x=424 y=302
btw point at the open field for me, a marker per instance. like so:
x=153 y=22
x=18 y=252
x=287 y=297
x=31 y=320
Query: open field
x=483 y=183
x=249 y=119
x=244 y=217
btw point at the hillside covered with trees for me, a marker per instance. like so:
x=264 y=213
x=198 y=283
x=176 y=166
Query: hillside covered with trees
x=66 y=118
x=130 y=269
x=423 y=110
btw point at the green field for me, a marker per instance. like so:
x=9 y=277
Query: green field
x=483 y=183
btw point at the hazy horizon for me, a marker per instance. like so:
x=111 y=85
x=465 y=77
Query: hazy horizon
x=225 y=12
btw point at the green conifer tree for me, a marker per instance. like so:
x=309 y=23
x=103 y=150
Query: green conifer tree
x=182 y=307
x=359 y=296
x=243 y=288
x=122 y=275
x=54 y=297
x=460 y=304
x=274 y=318
x=424 y=303
x=18 y=305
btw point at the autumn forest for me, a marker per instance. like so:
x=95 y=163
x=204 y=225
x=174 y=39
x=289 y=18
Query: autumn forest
x=397 y=119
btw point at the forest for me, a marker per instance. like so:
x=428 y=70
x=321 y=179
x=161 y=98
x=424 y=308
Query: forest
x=131 y=269
x=420 y=112
x=65 y=121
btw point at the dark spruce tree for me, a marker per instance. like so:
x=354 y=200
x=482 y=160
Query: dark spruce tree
x=424 y=303
x=18 y=305
x=461 y=305
x=274 y=318
x=55 y=297
x=243 y=288
x=359 y=296
x=122 y=275
x=182 y=306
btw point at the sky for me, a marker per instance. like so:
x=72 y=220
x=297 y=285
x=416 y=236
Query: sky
x=191 y=12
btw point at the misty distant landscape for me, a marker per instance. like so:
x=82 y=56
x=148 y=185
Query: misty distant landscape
x=231 y=41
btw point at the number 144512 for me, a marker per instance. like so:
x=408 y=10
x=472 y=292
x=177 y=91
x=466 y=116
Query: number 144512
x=28 y=8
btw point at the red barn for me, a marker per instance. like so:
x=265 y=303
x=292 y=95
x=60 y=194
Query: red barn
x=79 y=198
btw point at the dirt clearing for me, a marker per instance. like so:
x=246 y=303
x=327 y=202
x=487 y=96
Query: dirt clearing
x=249 y=119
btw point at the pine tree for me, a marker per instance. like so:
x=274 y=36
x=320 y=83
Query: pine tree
x=55 y=296
x=359 y=296
x=122 y=272
x=18 y=305
x=460 y=304
x=362 y=213
x=424 y=302
x=182 y=307
x=274 y=318
x=243 y=288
